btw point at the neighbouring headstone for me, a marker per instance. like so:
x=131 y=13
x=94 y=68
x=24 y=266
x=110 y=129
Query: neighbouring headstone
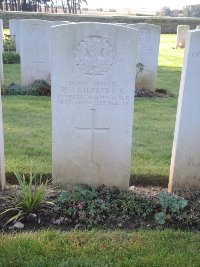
x=147 y=55
x=1 y=55
x=198 y=27
x=2 y=167
x=181 y=35
x=185 y=161
x=92 y=103
x=14 y=26
x=35 y=50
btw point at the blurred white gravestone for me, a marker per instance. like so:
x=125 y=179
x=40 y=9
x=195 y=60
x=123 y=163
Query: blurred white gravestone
x=1 y=55
x=185 y=161
x=147 y=55
x=2 y=168
x=35 y=50
x=198 y=27
x=92 y=103
x=14 y=26
x=181 y=35
x=12 y=29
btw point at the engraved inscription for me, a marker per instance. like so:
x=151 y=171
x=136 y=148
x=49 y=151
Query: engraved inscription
x=94 y=55
x=36 y=34
x=93 y=130
x=35 y=31
x=93 y=93
x=196 y=54
x=144 y=35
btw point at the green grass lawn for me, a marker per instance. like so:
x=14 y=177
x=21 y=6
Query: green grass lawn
x=27 y=124
x=98 y=248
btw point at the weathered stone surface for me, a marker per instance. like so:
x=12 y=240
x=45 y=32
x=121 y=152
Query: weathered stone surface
x=35 y=50
x=185 y=161
x=181 y=35
x=1 y=56
x=2 y=167
x=92 y=103
x=14 y=26
x=147 y=55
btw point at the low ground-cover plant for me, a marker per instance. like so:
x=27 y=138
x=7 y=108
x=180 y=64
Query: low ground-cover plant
x=27 y=200
x=36 y=88
x=88 y=207
x=171 y=207
x=11 y=58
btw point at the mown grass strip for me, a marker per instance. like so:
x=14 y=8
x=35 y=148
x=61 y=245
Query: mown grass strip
x=98 y=248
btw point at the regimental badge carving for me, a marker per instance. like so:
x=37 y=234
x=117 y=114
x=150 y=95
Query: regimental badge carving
x=94 y=55
x=35 y=31
x=144 y=35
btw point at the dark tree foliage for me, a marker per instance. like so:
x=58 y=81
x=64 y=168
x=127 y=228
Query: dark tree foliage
x=191 y=11
x=164 y=11
x=68 y=6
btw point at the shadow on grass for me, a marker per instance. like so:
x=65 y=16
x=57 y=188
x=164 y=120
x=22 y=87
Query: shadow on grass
x=12 y=180
x=142 y=180
x=149 y=180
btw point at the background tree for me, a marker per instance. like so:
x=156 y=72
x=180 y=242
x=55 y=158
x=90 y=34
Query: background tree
x=191 y=11
x=164 y=11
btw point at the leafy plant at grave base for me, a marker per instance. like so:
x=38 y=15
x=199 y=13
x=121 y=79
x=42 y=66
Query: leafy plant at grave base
x=15 y=89
x=189 y=218
x=89 y=207
x=11 y=58
x=171 y=206
x=28 y=200
x=8 y=44
x=37 y=88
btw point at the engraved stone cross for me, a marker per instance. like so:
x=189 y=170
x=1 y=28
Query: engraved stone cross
x=37 y=62
x=93 y=129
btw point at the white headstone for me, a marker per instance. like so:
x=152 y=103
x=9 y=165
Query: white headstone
x=17 y=35
x=14 y=26
x=2 y=167
x=147 y=55
x=35 y=50
x=185 y=161
x=1 y=55
x=2 y=171
x=92 y=103
x=198 y=27
x=181 y=35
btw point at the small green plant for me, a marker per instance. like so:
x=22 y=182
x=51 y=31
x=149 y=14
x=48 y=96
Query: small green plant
x=28 y=200
x=170 y=206
x=11 y=58
x=8 y=43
